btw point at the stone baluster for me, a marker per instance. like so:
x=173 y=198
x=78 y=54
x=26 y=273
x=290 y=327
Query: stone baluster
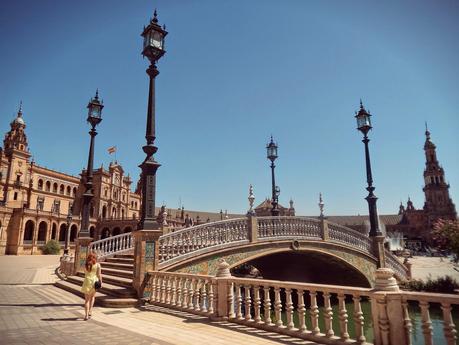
x=159 y=283
x=170 y=281
x=185 y=294
x=174 y=291
x=191 y=292
x=248 y=303
x=407 y=322
x=359 y=320
x=328 y=316
x=449 y=328
x=238 y=302
x=278 y=306
x=426 y=323
x=267 y=306
x=197 y=295
x=179 y=292
x=153 y=287
x=163 y=289
x=230 y=300
x=343 y=332
x=289 y=308
x=256 y=303
x=301 y=311
x=211 y=298
x=204 y=299
x=314 y=312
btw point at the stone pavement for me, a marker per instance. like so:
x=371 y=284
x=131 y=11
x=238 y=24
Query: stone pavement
x=435 y=267
x=31 y=313
x=28 y=269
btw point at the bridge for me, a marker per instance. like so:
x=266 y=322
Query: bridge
x=191 y=270
x=306 y=243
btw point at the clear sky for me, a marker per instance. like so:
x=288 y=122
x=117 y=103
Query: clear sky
x=236 y=72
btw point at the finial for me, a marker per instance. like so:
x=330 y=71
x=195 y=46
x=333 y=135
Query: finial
x=427 y=131
x=97 y=94
x=361 y=104
x=164 y=27
x=20 y=107
x=251 y=200
x=321 y=205
x=155 y=17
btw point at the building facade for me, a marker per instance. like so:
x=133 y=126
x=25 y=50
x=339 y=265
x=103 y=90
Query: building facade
x=35 y=201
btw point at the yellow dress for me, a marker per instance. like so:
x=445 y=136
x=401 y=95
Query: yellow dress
x=89 y=279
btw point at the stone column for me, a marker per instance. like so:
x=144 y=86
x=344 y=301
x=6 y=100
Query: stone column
x=324 y=228
x=223 y=289
x=378 y=250
x=387 y=310
x=146 y=256
x=81 y=252
x=252 y=226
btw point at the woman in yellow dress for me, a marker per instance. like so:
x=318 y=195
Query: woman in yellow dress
x=91 y=276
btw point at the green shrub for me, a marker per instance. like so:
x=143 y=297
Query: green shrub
x=51 y=247
x=444 y=284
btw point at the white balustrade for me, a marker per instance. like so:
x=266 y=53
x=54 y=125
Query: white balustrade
x=292 y=227
x=112 y=245
x=349 y=236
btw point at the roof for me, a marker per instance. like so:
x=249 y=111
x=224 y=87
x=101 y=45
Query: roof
x=388 y=219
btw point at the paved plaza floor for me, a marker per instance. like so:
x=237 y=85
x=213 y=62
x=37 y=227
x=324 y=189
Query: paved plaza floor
x=33 y=311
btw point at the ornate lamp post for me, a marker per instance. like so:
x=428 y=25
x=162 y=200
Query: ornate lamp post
x=153 y=49
x=95 y=107
x=364 y=125
x=67 y=235
x=271 y=154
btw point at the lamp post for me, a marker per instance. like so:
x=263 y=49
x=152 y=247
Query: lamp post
x=271 y=153
x=67 y=235
x=94 y=118
x=364 y=126
x=153 y=49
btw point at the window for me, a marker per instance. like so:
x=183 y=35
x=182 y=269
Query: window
x=61 y=189
x=15 y=197
x=40 y=203
x=18 y=178
x=40 y=184
x=68 y=190
x=56 y=206
x=55 y=187
x=48 y=186
x=74 y=191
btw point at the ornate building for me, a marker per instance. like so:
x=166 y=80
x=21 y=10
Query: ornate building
x=35 y=201
x=264 y=209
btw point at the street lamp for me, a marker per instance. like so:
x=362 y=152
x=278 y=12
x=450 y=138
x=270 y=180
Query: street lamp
x=364 y=125
x=153 y=48
x=95 y=107
x=271 y=153
x=67 y=235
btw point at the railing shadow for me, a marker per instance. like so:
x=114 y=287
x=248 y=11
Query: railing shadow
x=193 y=318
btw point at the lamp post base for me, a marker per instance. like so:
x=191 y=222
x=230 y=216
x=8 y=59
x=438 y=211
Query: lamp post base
x=81 y=252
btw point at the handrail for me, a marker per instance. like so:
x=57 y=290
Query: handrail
x=112 y=245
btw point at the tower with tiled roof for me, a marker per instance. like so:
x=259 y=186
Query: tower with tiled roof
x=438 y=203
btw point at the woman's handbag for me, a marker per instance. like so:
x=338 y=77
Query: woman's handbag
x=97 y=285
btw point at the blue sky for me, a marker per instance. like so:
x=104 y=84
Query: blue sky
x=236 y=72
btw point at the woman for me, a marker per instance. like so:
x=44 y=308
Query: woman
x=91 y=276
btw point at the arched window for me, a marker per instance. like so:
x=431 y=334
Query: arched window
x=28 y=231
x=42 y=232
x=62 y=189
x=104 y=212
x=62 y=231
x=91 y=231
x=122 y=213
x=73 y=232
x=74 y=191
x=54 y=187
x=48 y=186
x=114 y=212
x=40 y=184
x=69 y=190
x=124 y=197
x=116 y=231
x=134 y=216
x=127 y=229
x=54 y=232
x=105 y=192
x=105 y=233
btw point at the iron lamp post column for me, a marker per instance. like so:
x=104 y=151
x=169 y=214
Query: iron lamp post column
x=364 y=125
x=94 y=118
x=153 y=49
x=67 y=235
x=271 y=149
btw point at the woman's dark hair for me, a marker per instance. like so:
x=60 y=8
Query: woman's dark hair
x=90 y=261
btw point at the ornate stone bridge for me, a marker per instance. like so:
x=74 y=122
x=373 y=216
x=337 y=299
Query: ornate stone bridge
x=198 y=249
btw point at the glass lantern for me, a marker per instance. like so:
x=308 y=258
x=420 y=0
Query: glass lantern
x=271 y=150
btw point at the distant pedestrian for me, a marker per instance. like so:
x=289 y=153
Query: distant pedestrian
x=91 y=276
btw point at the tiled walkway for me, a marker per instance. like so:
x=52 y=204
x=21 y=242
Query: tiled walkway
x=44 y=314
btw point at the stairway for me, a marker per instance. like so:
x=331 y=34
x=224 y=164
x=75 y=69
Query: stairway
x=116 y=291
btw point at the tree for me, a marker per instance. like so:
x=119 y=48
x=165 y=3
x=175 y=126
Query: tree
x=446 y=236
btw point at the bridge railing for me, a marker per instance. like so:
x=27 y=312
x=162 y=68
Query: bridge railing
x=349 y=236
x=321 y=313
x=289 y=227
x=401 y=271
x=189 y=240
x=112 y=245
